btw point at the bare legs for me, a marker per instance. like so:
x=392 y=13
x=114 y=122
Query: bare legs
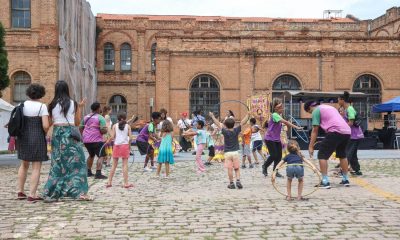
x=299 y=189
x=166 y=169
x=124 y=172
x=35 y=176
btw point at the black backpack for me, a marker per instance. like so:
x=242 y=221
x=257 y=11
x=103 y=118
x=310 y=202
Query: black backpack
x=16 y=123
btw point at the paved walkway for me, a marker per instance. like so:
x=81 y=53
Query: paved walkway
x=191 y=206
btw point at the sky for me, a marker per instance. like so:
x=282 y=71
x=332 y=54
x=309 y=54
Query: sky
x=362 y=9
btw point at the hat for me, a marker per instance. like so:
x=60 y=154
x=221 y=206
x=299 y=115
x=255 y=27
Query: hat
x=184 y=114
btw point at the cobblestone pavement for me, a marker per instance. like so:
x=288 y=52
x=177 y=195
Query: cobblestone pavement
x=191 y=206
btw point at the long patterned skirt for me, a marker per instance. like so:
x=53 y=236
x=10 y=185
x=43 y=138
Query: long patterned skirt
x=68 y=172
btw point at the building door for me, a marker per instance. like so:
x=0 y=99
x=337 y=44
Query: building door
x=204 y=94
x=118 y=104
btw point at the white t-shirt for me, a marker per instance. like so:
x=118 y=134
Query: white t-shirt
x=121 y=136
x=32 y=108
x=256 y=136
x=58 y=116
x=181 y=123
x=159 y=126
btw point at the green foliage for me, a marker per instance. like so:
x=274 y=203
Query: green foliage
x=4 y=79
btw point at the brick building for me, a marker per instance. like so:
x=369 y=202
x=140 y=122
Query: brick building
x=189 y=62
x=47 y=40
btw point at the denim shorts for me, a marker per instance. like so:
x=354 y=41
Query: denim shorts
x=295 y=172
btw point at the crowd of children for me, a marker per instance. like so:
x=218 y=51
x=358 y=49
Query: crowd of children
x=225 y=141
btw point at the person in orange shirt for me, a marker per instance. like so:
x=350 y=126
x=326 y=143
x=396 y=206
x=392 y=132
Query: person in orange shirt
x=246 y=152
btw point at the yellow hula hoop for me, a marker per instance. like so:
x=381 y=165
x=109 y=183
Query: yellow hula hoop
x=294 y=164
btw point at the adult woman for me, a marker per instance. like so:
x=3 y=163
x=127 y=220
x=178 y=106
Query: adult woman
x=229 y=114
x=32 y=147
x=68 y=174
x=273 y=136
x=356 y=133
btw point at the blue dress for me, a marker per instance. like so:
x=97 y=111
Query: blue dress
x=165 y=154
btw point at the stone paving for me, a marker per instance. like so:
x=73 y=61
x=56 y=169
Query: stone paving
x=191 y=206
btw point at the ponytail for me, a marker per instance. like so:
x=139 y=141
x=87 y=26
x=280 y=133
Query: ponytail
x=121 y=120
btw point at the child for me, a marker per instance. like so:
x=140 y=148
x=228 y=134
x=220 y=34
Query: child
x=106 y=114
x=293 y=170
x=147 y=134
x=165 y=154
x=256 y=140
x=218 y=143
x=210 y=144
x=121 y=134
x=231 y=147
x=201 y=139
x=246 y=148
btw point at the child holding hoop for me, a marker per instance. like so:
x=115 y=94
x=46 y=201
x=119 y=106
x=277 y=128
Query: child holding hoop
x=231 y=147
x=294 y=169
x=121 y=134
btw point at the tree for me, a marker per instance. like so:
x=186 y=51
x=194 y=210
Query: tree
x=4 y=79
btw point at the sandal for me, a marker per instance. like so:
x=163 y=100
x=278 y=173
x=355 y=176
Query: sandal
x=85 y=198
x=289 y=198
x=108 y=185
x=302 y=199
x=129 y=186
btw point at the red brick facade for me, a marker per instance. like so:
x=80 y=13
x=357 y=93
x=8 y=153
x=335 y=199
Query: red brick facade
x=244 y=55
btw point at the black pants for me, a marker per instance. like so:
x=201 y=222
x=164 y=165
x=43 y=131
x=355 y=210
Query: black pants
x=275 y=154
x=184 y=144
x=352 y=147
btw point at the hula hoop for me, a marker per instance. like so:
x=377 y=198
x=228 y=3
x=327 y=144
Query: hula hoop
x=294 y=164
x=237 y=101
x=101 y=149
x=305 y=139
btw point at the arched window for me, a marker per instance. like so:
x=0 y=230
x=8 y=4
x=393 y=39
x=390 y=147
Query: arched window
x=21 y=81
x=109 y=57
x=118 y=104
x=21 y=13
x=126 y=56
x=284 y=83
x=204 y=94
x=153 y=57
x=370 y=85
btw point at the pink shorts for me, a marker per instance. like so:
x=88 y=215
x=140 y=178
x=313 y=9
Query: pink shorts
x=232 y=160
x=121 y=151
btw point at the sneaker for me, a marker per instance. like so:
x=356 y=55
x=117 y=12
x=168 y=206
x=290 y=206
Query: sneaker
x=89 y=173
x=100 y=176
x=243 y=166
x=251 y=166
x=279 y=175
x=345 y=183
x=231 y=186
x=323 y=185
x=239 y=185
x=265 y=173
x=153 y=167
x=193 y=153
x=146 y=169
x=356 y=173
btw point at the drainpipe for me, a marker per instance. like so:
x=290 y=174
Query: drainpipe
x=319 y=55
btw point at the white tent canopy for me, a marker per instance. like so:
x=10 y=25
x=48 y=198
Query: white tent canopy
x=5 y=112
x=5 y=106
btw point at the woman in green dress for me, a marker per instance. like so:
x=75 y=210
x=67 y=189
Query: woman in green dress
x=68 y=173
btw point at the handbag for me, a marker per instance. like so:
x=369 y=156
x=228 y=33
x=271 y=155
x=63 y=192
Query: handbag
x=75 y=133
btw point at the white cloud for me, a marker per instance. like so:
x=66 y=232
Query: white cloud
x=363 y=9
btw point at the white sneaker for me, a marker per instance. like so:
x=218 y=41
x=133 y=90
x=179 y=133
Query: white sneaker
x=146 y=169
x=153 y=167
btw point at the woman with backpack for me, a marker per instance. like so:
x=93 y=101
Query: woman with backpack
x=68 y=173
x=350 y=115
x=31 y=143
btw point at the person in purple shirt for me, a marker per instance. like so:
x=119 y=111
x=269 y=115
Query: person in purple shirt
x=356 y=133
x=336 y=139
x=148 y=133
x=273 y=136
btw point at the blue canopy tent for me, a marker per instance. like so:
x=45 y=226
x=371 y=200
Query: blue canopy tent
x=392 y=105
